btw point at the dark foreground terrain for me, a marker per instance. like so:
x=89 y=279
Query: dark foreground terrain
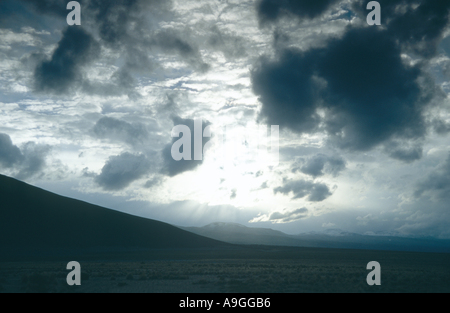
x=240 y=270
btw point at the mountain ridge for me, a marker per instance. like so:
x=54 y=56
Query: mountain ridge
x=334 y=238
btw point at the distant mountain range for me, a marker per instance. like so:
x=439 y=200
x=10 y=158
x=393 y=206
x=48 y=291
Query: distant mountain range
x=331 y=238
x=33 y=220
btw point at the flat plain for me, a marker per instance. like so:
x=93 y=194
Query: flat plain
x=252 y=269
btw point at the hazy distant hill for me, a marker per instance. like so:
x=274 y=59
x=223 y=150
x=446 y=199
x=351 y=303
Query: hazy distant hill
x=239 y=234
x=31 y=218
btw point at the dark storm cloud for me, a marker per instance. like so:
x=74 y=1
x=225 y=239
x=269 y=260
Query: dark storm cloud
x=115 y=129
x=321 y=164
x=288 y=216
x=271 y=10
x=288 y=91
x=335 y=165
x=62 y=72
x=316 y=192
x=368 y=94
x=418 y=25
x=404 y=151
x=9 y=153
x=34 y=161
x=171 y=167
x=372 y=95
x=120 y=171
x=441 y=127
x=437 y=183
x=26 y=162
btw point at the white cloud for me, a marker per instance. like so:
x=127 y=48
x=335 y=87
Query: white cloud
x=282 y=217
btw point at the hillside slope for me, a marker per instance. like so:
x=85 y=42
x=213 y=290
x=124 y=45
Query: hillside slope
x=33 y=218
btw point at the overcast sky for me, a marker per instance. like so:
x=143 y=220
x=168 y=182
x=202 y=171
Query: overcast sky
x=87 y=111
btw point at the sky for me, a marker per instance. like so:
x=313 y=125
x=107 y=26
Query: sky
x=87 y=111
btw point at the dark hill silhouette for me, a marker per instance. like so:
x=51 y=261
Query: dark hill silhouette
x=32 y=218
